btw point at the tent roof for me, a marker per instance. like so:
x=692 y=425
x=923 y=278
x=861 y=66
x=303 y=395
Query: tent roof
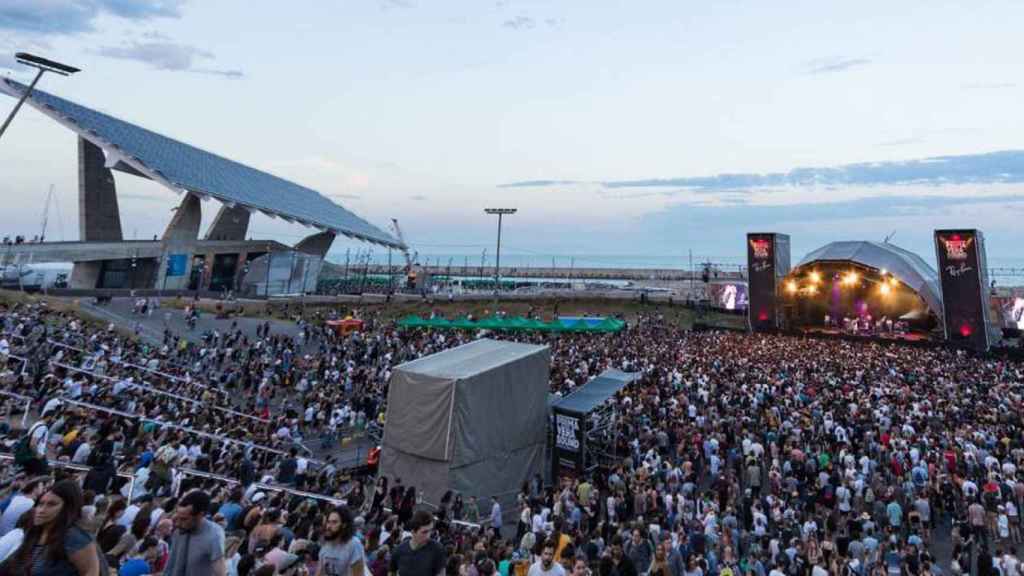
x=597 y=391
x=907 y=267
x=182 y=167
x=470 y=359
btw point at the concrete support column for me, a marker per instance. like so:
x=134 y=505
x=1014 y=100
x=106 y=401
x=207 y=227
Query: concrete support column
x=230 y=224
x=184 y=227
x=316 y=244
x=98 y=216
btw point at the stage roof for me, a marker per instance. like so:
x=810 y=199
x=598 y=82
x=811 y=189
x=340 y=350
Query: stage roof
x=596 y=392
x=185 y=168
x=907 y=267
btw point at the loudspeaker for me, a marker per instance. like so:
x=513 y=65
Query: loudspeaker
x=963 y=274
x=767 y=264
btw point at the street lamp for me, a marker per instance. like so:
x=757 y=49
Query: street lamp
x=497 y=257
x=43 y=65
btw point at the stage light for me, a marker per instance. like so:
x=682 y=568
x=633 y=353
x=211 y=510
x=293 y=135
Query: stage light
x=815 y=276
x=884 y=289
x=812 y=289
x=791 y=287
x=884 y=271
x=894 y=281
x=850 y=279
x=965 y=331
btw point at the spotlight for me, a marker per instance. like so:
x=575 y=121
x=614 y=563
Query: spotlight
x=791 y=287
x=850 y=279
x=812 y=289
x=815 y=276
x=894 y=281
x=884 y=289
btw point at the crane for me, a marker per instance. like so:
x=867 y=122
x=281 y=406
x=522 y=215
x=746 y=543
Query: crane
x=410 y=259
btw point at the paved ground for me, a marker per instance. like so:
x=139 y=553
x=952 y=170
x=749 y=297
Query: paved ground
x=152 y=325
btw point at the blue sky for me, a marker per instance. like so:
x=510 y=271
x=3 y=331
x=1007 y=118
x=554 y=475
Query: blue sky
x=614 y=127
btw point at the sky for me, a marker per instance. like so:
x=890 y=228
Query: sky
x=618 y=129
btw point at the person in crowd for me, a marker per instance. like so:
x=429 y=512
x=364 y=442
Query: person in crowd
x=341 y=553
x=54 y=545
x=195 y=549
x=421 y=555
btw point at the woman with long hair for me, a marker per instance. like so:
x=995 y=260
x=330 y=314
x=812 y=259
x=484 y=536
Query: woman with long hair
x=380 y=494
x=405 y=510
x=55 y=545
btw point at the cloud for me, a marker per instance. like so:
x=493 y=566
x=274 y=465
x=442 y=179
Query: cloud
x=77 y=16
x=902 y=141
x=677 y=220
x=535 y=183
x=989 y=85
x=989 y=168
x=167 y=55
x=418 y=198
x=519 y=23
x=831 y=65
x=395 y=4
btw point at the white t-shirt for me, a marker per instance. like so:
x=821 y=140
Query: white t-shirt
x=40 y=435
x=537 y=570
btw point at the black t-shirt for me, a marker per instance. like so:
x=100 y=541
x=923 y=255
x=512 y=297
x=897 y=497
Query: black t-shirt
x=286 y=474
x=427 y=560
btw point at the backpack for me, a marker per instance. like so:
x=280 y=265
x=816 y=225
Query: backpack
x=23 y=452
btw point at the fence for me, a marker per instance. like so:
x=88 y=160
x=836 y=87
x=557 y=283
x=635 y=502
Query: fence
x=161 y=423
x=78 y=468
x=28 y=405
x=259 y=485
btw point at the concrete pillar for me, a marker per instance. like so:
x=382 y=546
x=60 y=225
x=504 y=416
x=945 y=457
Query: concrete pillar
x=184 y=227
x=230 y=224
x=85 y=275
x=316 y=244
x=98 y=216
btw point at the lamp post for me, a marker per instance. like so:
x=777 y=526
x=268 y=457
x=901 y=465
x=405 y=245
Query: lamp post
x=497 y=257
x=43 y=65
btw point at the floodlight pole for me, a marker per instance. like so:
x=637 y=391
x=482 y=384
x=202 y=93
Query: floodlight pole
x=43 y=65
x=497 y=257
x=21 y=101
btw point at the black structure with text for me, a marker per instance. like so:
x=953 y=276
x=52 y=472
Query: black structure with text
x=963 y=273
x=767 y=263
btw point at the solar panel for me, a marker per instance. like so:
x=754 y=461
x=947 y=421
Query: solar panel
x=186 y=167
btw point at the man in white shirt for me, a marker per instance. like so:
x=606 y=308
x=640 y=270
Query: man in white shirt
x=546 y=566
x=22 y=502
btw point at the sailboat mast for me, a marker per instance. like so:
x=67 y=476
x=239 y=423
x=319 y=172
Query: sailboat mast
x=46 y=213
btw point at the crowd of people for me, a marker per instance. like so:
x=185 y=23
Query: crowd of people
x=731 y=453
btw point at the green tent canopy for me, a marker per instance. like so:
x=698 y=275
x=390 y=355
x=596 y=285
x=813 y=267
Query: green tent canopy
x=517 y=323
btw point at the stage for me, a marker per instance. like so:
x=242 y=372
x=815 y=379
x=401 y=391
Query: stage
x=909 y=336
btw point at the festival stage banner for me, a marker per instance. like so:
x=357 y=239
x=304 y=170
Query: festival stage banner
x=767 y=263
x=963 y=273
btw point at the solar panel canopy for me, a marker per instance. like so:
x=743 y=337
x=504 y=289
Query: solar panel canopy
x=184 y=167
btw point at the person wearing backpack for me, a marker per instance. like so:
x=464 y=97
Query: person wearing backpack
x=30 y=452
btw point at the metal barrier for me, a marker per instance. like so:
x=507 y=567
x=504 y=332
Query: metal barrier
x=148 y=388
x=162 y=423
x=261 y=486
x=28 y=404
x=79 y=468
x=170 y=377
